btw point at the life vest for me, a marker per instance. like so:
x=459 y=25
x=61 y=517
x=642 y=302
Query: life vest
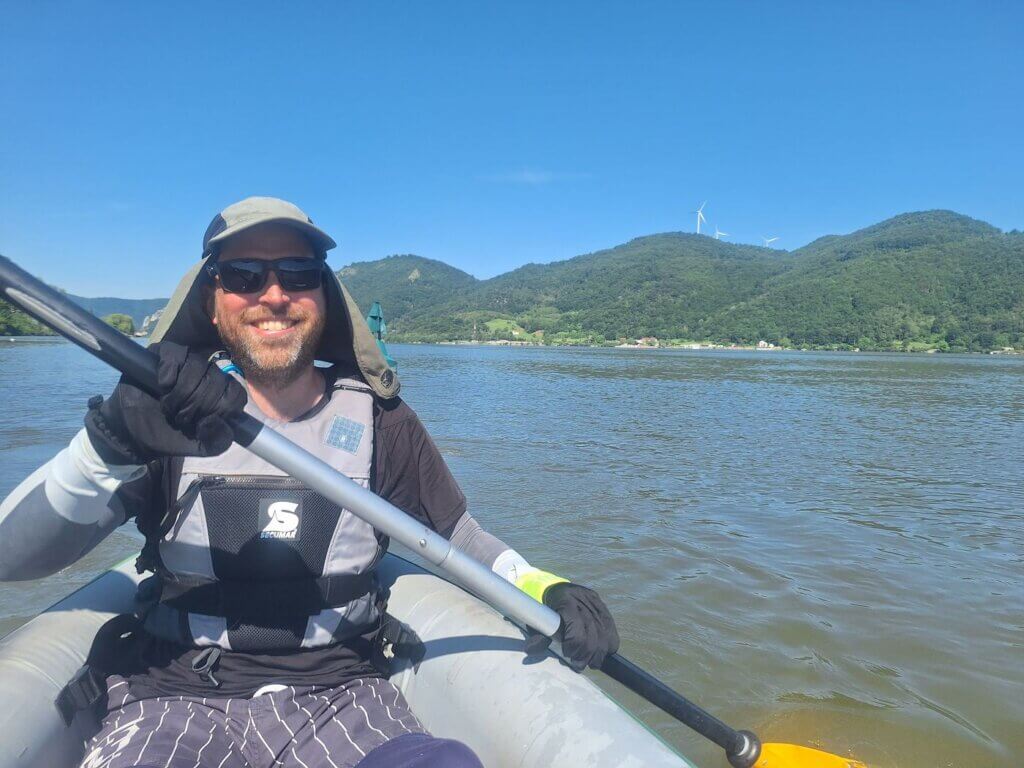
x=248 y=559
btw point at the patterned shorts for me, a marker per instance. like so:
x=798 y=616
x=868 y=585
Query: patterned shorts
x=290 y=726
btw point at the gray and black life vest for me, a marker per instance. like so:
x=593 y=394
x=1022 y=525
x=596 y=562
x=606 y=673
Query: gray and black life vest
x=250 y=559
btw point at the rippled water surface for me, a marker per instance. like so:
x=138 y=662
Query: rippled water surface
x=826 y=548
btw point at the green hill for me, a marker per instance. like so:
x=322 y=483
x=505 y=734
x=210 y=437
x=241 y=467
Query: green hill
x=136 y=309
x=921 y=280
x=14 y=322
x=927 y=280
x=123 y=323
x=661 y=285
x=404 y=284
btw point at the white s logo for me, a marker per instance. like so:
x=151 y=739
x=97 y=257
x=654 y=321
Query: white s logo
x=283 y=520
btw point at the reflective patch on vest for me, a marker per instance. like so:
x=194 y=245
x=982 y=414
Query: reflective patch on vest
x=280 y=518
x=345 y=434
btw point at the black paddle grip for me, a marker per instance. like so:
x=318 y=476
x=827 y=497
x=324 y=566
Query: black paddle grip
x=741 y=747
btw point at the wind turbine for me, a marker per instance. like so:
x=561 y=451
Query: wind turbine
x=719 y=234
x=768 y=240
x=700 y=215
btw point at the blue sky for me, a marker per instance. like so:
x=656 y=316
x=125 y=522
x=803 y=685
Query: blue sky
x=491 y=135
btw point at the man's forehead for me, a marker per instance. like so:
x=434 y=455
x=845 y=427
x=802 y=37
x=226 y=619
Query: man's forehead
x=266 y=241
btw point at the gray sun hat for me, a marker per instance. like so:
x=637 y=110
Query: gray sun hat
x=347 y=340
x=253 y=211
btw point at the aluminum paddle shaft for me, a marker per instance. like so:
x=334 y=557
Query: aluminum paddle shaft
x=140 y=365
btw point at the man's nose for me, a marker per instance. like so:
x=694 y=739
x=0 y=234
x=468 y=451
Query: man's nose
x=273 y=294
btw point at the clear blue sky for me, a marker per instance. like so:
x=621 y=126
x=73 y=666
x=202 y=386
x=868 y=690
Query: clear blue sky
x=489 y=135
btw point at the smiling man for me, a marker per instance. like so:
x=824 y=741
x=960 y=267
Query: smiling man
x=258 y=637
x=272 y=333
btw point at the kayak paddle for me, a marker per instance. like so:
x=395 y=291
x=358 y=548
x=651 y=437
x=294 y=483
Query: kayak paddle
x=743 y=748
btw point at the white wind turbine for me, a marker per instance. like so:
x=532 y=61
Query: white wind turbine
x=768 y=240
x=719 y=234
x=700 y=215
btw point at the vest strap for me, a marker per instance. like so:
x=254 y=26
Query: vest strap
x=274 y=599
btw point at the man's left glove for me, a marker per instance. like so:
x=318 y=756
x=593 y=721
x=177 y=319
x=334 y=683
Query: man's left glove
x=190 y=418
x=588 y=631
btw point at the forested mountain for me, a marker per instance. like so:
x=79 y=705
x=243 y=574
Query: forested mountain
x=408 y=286
x=403 y=283
x=136 y=309
x=936 y=280
x=929 y=280
x=661 y=285
x=14 y=322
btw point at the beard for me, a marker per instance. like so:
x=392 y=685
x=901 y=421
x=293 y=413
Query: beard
x=272 y=362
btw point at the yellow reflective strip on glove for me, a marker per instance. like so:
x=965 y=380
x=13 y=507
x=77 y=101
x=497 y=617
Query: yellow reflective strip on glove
x=535 y=582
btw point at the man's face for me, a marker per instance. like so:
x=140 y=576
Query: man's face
x=272 y=334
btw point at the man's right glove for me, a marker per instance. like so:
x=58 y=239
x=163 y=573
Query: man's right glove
x=189 y=419
x=588 y=632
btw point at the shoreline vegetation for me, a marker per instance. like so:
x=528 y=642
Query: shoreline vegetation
x=638 y=345
x=707 y=346
x=121 y=322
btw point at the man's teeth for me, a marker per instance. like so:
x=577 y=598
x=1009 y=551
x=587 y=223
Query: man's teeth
x=274 y=325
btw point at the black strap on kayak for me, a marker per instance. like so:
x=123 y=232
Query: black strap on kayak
x=82 y=693
x=87 y=689
x=397 y=641
x=273 y=599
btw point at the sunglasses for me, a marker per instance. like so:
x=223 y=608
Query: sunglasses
x=295 y=273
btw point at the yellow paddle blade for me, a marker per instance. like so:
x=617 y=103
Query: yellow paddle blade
x=792 y=756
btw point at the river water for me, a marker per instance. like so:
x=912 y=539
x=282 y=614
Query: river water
x=825 y=548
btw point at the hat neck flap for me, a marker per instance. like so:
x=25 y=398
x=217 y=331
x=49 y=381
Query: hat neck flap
x=347 y=339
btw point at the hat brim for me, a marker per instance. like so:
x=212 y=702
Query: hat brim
x=322 y=242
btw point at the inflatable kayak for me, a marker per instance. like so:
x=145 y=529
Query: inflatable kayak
x=473 y=684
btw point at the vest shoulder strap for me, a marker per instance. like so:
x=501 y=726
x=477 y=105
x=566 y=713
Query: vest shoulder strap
x=157 y=518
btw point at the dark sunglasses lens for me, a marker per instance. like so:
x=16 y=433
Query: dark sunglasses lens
x=299 y=274
x=242 y=276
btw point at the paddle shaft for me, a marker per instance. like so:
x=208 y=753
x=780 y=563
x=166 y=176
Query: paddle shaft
x=140 y=365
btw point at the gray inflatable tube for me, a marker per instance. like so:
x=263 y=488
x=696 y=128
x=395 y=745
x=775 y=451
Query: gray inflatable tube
x=472 y=685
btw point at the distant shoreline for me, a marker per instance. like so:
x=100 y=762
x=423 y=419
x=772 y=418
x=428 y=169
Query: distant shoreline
x=694 y=347
x=704 y=347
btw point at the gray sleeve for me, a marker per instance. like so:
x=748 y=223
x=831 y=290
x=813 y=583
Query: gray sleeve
x=469 y=537
x=61 y=511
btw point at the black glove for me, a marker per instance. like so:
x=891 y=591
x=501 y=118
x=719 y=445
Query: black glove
x=189 y=419
x=588 y=632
